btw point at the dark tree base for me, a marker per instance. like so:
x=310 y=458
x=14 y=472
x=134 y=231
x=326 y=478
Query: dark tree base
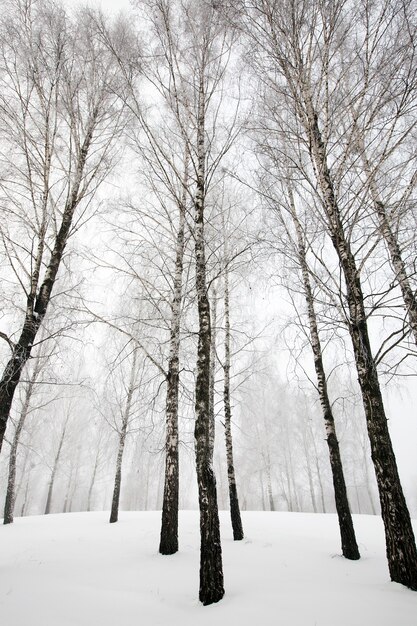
x=211 y=568
x=168 y=543
x=350 y=548
x=211 y=597
x=235 y=513
x=167 y=547
x=401 y=546
x=353 y=555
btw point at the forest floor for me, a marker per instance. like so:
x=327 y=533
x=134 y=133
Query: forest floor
x=78 y=570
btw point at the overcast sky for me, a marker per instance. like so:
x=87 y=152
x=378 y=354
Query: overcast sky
x=108 y=5
x=401 y=397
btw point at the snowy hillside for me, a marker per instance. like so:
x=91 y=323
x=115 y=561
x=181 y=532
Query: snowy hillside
x=78 y=570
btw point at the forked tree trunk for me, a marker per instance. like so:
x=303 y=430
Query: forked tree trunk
x=347 y=533
x=114 y=514
x=399 y=535
x=211 y=567
x=55 y=467
x=169 y=526
x=233 y=495
x=11 y=481
x=93 y=478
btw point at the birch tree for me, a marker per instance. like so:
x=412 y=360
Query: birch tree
x=122 y=432
x=231 y=477
x=59 y=119
x=196 y=46
x=302 y=40
x=349 y=545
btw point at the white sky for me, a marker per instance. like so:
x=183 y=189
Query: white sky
x=401 y=399
x=110 y=6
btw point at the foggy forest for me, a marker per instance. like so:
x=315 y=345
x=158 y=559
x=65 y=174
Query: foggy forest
x=208 y=313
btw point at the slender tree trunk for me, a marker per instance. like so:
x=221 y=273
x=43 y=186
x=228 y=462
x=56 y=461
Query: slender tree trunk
x=400 y=541
x=212 y=434
x=267 y=463
x=398 y=264
x=26 y=495
x=55 y=467
x=114 y=514
x=169 y=525
x=289 y=470
x=211 y=567
x=261 y=484
x=310 y=480
x=233 y=495
x=93 y=479
x=347 y=532
x=22 y=476
x=65 y=507
x=11 y=481
x=318 y=471
x=73 y=482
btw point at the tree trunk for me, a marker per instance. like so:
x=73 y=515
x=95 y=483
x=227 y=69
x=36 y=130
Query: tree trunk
x=347 y=533
x=114 y=514
x=397 y=261
x=169 y=526
x=212 y=434
x=400 y=541
x=55 y=468
x=310 y=477
x=211 y=567
x=318 y=471
x=65 y=507
x=269 y=482
x=93 y=478
x=11 y=481
x=233 y=495
x=26 y=495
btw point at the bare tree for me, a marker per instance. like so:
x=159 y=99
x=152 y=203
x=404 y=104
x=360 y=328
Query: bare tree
x=59 y=119
x=303 y=40
x=233 y=495
x=196 y=44
x=349 y=545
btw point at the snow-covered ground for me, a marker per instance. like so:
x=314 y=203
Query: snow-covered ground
x=78 y=570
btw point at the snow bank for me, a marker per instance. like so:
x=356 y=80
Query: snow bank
x=78 y=570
